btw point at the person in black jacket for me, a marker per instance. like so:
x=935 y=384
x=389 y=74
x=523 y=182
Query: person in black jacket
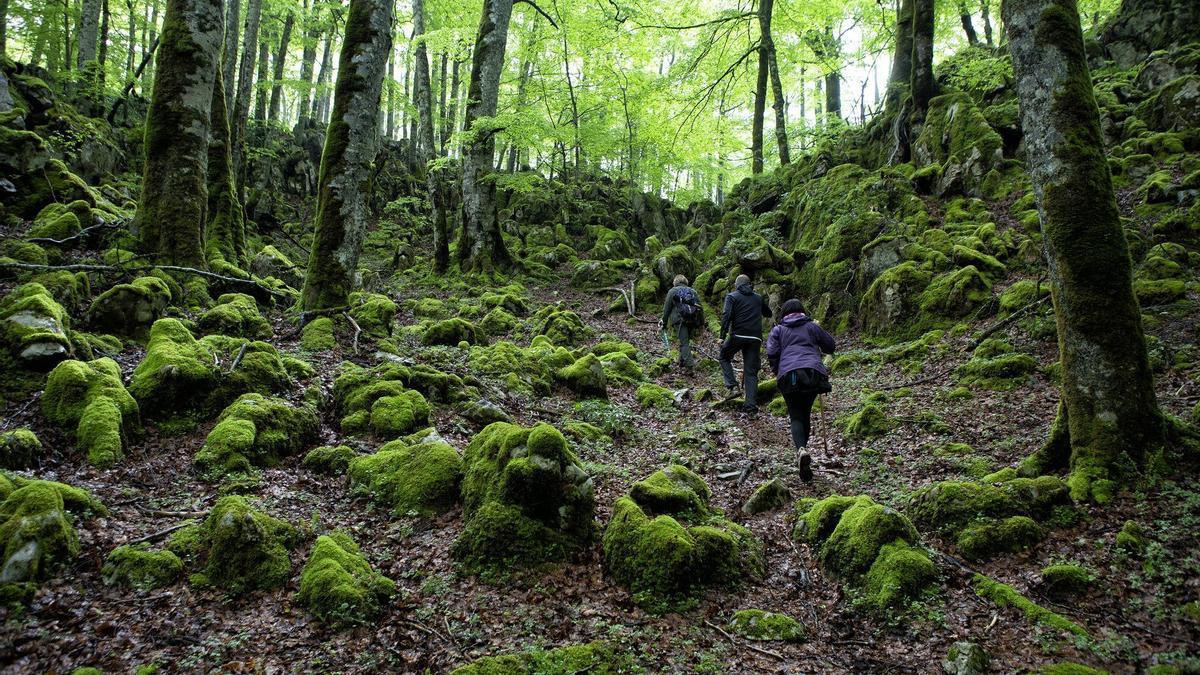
x=741 y=330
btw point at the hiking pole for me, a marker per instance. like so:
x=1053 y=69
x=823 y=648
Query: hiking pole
x=824 y=427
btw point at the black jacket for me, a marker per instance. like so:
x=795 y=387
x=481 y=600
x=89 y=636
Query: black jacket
x=744 y=312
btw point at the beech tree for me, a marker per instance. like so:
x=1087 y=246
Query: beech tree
x=1108 y=415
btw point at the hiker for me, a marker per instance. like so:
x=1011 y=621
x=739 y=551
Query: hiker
x=682 y=313
x=741 y=331
x=794 y=350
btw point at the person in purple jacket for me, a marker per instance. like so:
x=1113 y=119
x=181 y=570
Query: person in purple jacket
x=794 y=350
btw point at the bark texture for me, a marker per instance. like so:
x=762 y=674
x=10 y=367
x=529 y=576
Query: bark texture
x=226 y=235
x=923 y=86
x=171 y=212
x=311 y=37
x=350 y=147
x=245 y=83
x=760 y=88
x=481 y=247
x=233 y=21
x=89 y=27
x=898 y=80
x=1109 y=411
x=280 y=59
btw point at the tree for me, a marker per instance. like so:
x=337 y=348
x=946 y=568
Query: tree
x=481 y=246
x=760 y=91
x=89 y=27
x=1108 y=414
x=312 y=36
x=233 y=19
x=350 y=144
x=226 y=234
x=923 y=85
x=245 y=83
x=280 y=59
x=171 y=213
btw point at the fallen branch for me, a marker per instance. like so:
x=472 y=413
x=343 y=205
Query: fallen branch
x=357 y=330
x=137 y=75
x=238 y=359
x=1006 y=322
x=82 y=233
x=625 y=295
x=248 y=283
x=160 y=533
x=765 y=652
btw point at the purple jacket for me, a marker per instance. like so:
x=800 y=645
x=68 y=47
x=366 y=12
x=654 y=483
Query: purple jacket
x=797 y=342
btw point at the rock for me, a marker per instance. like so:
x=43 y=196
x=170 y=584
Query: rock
x=585 y=377
x=374 y=313
x=452 y=332
x=140 y=568
x=19 y=449
x=329 y=459
x=130 y=309
x=36 y=536
x=6 y=99
x=409 y=475
x=966 y=658
x=597 y=658
x=755 y=624
x=483 y=412
x=89 y=401
x=237 y=315
x=236 y=548
x=339 y=586
x=33 y=327
x=377 y=400
x=317 y=335
x=562 y=327
x=1173 y=107
x=769 y=496
x=1067 y=580
x=958 y=136
x=271 y=262
x=255 y=431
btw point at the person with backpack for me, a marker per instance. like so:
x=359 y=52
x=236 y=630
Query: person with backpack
x=682 y=313
x=741 y=321
x=794 y=349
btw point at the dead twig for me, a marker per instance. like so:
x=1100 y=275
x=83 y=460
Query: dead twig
x=357 y=330
x=1006 y=322
x=238 y=359
x=77 y=237
x=765 y=652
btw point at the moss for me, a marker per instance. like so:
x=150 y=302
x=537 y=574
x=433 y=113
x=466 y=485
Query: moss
x=1067 y=668
x=562 y=327
x=19 y=449
x=955 y=294
x=1151 y=292
x=755 y=624
x=373 y=312
x=317 y=335
x=891 y=302
x=451 y=332
x=236 y=548
x=769 y=496
x=597 y=657
x=650 y=395
x=899 y=572
x=675 y=490
x=59 y=221
x=36 y=536
x=138 y=567
x=89 y=400
x=177 y=374
x=983 y=539
x=255 y=431
x=498 y=321
x=1132 y=538
x=339 y=586
x=619 y=367
x=377 y=400
x=869 y=420
x=509 y=298
x=585 y=377
x=994 y=365
x=421 y=477
x=34 y=327
x=1006 y=596
x=1020 y=294
x=235 y=314
x=130 y=309
x=1067 y=579
x=297 y=368
x=526 y=499
x=966 y=658
x=329 y=459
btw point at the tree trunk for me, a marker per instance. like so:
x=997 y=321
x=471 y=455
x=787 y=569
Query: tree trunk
x=3 y=26
x=1108 y=408
x=261 y=91
x=390 y=86
x=132 y=39
x=233 y=20
x=245 y=83
x=350 y=146
x=152 y=39
x=901 y=75
x=312 y=35
x=481 y=245
x=88 y=27
x=441 y=114
x=964 y=17
x=522 y=85
x=780 y=104
x=102 y=48
x=923 y=86
x=986 y=10
x=320 y=101
x=280 y=59
x=226 y=236
x=171 y=213
x=449 y=123
x=422 y=93
x=760 y=103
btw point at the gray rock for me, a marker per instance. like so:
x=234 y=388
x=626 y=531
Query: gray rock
x=966 y=658
x=769 y=496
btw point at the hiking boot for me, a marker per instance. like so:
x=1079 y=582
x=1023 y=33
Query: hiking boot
x=750 y=410
x=732 y=393
x=806 y=473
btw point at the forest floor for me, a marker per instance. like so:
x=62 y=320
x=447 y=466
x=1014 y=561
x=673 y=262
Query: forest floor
x=441 y=618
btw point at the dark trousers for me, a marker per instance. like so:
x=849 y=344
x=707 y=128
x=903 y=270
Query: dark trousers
x=685 y=345
x=799 y=407
x=750 y=349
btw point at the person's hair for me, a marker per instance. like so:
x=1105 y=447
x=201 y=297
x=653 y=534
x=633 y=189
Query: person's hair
x=741 y=279
x=680 y=280
x=793 y=306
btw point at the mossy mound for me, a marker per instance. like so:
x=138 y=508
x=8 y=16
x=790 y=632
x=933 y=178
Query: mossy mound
x=769 y=496
x=329 y=459
x=1132 y=538
x=650 y=395
x=451 y=332
x=255 y=431
x=598 y=657
x=375 y=314
x=867 y=544
x=667 y=545
x=339 y=586
x=130 y=309
x=138 y=567
x=34 y=328
x=237 y=315
x=1064 y=580
x=423 y=477
x=526 y=499
x=988 y=518
x=869 y=420
x=59 y=221
x=89 y=401
x=271 y=262
x=498 y=321
x=563 y=327
x=19 y=449
x=377 y=401
x=755 y=624
x=317 y=335
x=1070 y=668
x=996 y=365
x=36 y=535
x=585 y=377
x=621 y=368
x=1007 y=596
x=236 y=548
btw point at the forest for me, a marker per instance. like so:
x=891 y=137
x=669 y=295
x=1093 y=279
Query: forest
x=600 y=336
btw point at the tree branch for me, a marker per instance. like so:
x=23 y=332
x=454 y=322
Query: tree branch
x=248 y=283
x=533 y=4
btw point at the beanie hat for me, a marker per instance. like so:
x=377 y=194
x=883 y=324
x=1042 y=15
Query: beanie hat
x=680 y=280
x=741 y=280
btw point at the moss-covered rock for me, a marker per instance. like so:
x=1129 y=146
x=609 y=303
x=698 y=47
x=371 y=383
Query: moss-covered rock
x=377 y=401
x=374 y=313
x=598 y=657
x=667 y=545
x=139 y=567
x=1066 y=579
x=769 y=496
x=255 y=431
x=236 y=548
x=869 y=420
x=451 y=332
x=996 y=365
x=966 y=658
x=89 y=401
x=562 y=327
x=422 y=477
x=498 y=321
x=957 y=135
x=237 y=315
x=621 y=368
x=271 y=262
x=868 y=545
x=755 y=624
x=36 y=535
x=329 y=459
x=1069 y=668
x=60 y=221
x=1132 y=538
x=526 y=498
x=585 y=377
x=985 y=538
x=129 y=310
x=19 y=449
x=34 y=328
x=650 y=395
x=338 y=584
x=317 y=335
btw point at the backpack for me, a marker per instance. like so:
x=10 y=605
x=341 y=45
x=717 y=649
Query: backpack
x=687 y=304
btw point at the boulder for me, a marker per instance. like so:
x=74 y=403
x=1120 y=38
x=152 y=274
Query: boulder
x=36 y=536
x=19 y=449
x=236 y=315
x=88 y=400
x=255 y=431
x=338 y=584
x=34 y=327
x=129 y=310
x=237 y=548
x=409 y=475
